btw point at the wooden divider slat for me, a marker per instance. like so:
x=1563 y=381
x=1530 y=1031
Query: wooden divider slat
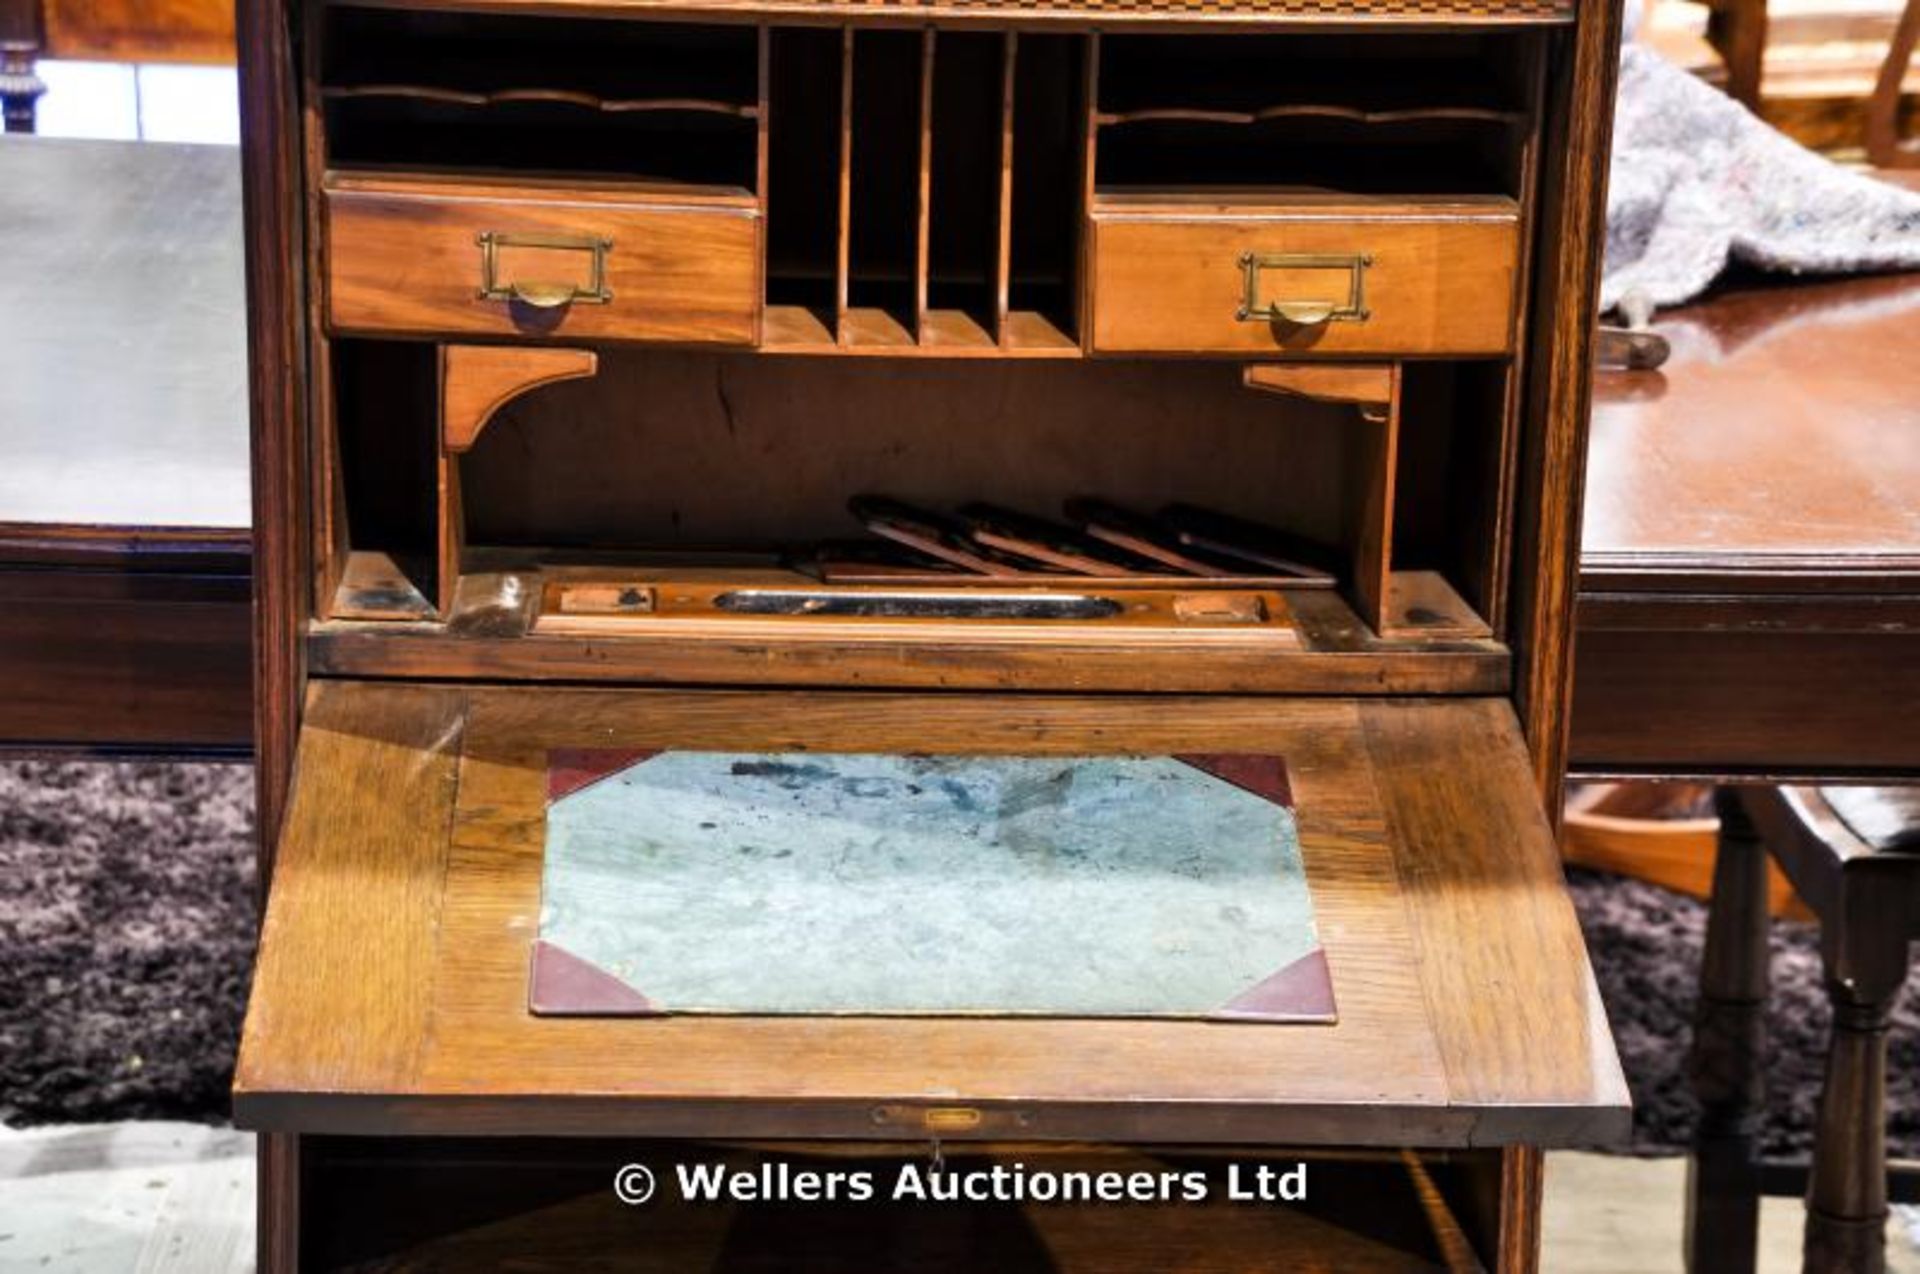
x=1003 y=260
x=923 y=211
x=1513 y=404
x=762 y=161
x=1090 y=135
x=844 y=248
x=1372 y=503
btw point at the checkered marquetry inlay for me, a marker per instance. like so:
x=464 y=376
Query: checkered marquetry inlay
x=1129 y=11
x=1234 y=8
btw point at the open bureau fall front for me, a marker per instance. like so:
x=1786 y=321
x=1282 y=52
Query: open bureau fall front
x=1054 y=377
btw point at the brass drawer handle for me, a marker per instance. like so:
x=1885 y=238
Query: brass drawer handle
x=541 y=294
x=1301 y=312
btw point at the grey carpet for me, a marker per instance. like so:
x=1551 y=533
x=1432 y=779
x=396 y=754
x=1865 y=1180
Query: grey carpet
x=1646 y=944
x=126 y=922
x=126 y=932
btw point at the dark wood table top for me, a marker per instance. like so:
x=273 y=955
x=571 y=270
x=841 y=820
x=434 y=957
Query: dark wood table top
x=124 y=499
x=1750 y=577
x=1778 y=449
x=123 y=382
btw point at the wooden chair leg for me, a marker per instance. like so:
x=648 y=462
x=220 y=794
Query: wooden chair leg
x=1726 y=1064
x=1885 y=149
x=1865 y=949
x=1847 y=1193
x=1738 y=30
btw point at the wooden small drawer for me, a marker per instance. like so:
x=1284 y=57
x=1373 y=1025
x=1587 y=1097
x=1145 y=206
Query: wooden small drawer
x=617 y=262
x=1398 y=277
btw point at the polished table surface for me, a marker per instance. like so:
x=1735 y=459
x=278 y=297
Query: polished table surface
x=1782 y=437
x=123 y=376
x=1750 y=582
x=124 y=504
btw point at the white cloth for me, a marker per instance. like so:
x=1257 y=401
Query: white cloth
x=1698 y=181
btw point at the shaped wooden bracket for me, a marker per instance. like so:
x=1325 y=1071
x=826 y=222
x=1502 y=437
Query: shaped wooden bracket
x=476 y=381
x=1368 y=386
x=1373 y=456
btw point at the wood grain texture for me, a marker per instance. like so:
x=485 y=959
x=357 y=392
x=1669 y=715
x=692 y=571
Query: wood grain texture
x=1338 y=654
x=923 y=186
x=683 y=264
x=449 y=533
x=139 y=30
x=766 y=451
x=327 y=509
x=1445 y=809
x=1366 y=385
x=1685 y=695
x=1522 y=1186
x=1423 y=604
x=1161 y=14
x=374 y=587
x=125 y=640
x=1003 y=236
x=125 y=658
x=1726 y=1060
x=1370 y=507
x=1499 y=554
x=1843 y=850
x=1363 y=668
x=1420 y=934
x=478 y=380
x=274 y=195
x=1638 y=829
x=1427 y=1060
x=843 y=234
x=1718 y=637
x=1689 y=480
x=946 y=334
x=685 y=605
x=1552 y=463
x=1167 y=277
x=351 y=948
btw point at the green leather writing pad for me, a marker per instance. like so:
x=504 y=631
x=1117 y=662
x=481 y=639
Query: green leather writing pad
x=812 y=883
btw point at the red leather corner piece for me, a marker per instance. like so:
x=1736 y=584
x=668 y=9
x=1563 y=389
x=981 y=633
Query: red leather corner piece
x=1262 y=775
x=571 y=769
x=564 y=985
x=1300 y=992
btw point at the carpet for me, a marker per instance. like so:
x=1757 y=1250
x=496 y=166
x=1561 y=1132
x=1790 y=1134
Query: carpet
x=1646 y=942
x=126 y=918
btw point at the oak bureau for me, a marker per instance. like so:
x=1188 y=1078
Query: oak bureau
x=1047 y=378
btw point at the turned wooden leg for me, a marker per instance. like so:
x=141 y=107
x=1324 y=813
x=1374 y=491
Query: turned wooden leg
x=1726 y=1065
x=1847 y=1192
x=1865 y=950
